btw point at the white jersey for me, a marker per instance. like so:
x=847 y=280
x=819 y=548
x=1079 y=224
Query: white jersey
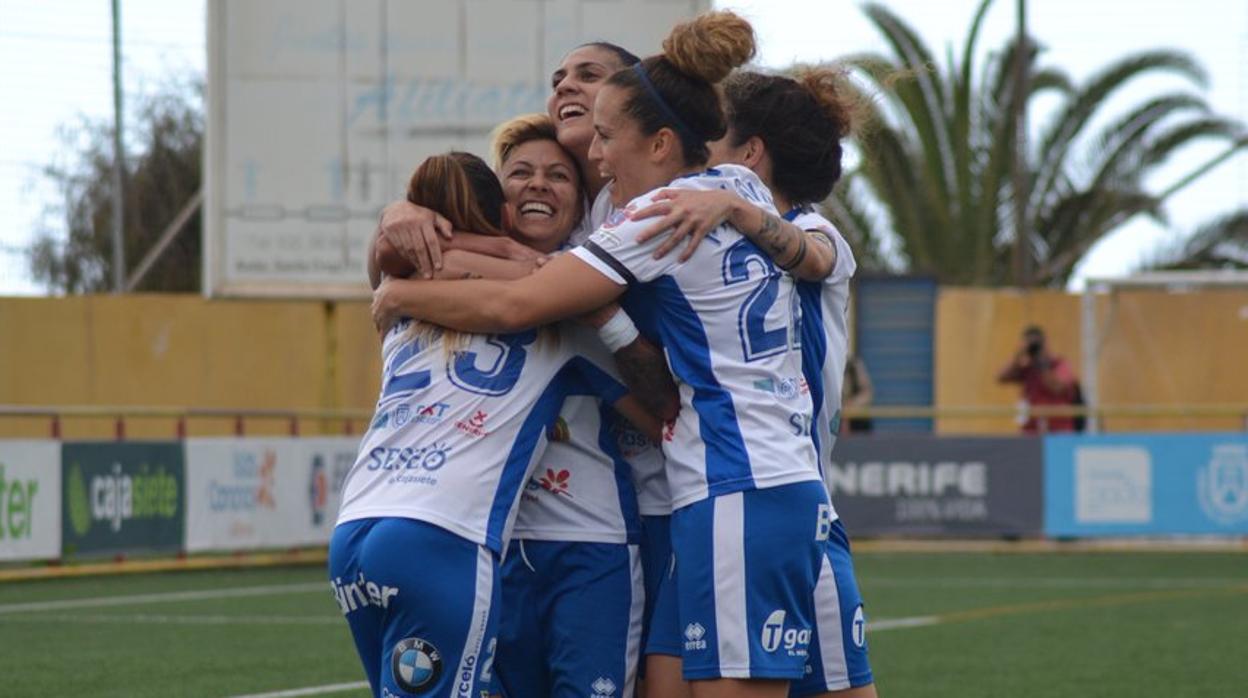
x=645 y=458
x=456 y=435
x=729 y=324
x=825 y=335
x=582 y=490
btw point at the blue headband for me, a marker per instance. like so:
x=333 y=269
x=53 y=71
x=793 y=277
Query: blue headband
x=668 y=112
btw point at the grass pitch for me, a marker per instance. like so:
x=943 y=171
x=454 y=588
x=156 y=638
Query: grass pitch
x=973 y=624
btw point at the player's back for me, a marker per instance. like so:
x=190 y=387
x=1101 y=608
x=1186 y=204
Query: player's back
x=456 y=433
x=825 y=333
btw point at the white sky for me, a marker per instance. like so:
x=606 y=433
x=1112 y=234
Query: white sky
x=55 y=64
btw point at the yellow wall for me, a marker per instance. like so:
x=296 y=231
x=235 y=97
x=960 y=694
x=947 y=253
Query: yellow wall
x=167 y=350
x=1158 y=348
x=176 y=351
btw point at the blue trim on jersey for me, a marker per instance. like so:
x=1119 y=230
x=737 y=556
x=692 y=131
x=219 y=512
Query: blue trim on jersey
x=792 y=214
x=689 y=353
x=579 y=376
x=610 y=445
x=814 y=352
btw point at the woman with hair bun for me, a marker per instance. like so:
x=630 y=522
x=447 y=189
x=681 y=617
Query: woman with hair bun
x=750 y=521
x=789 y=131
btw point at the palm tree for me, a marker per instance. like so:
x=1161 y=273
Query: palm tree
x=938 y=151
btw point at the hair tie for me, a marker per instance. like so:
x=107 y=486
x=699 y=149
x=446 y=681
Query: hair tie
x=681 y=128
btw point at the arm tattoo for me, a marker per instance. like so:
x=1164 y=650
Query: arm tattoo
x=771 y=234
x=645 y=373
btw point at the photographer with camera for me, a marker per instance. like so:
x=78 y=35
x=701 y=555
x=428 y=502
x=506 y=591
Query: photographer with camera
x=1047 y=380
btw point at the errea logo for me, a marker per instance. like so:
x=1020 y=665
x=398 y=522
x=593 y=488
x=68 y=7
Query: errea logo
x=695 y=636
x=603 y=687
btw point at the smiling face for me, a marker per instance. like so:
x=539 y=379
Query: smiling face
x=575 y=84
x=622 y=152
x=543 y=194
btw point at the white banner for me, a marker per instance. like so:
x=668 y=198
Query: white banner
x=264 y=492
x=30 y=500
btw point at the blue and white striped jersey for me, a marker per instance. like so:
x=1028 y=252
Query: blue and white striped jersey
x=582 y=489
x=729 y=324
x=456 y=434
x=825 y=334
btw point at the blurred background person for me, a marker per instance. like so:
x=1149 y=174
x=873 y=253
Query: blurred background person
x=856 y=392
x=1047 y=380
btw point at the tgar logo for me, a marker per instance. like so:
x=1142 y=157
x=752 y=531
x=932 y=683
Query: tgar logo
x=795 y=640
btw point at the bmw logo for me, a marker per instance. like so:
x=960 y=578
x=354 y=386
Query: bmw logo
x=416 y=665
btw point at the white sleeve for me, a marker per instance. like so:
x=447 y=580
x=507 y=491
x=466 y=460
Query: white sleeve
x=614 y=251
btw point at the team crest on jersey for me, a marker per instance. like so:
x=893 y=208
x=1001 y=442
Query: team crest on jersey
x=474 y=426
x=559 y=432
x=557 y=482
x=669 y=431
x=416 y=665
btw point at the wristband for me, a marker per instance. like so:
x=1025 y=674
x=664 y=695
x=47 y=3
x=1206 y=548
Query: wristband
x=619 y=332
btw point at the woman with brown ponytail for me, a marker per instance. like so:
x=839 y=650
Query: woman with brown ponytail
x=751 y=518
x=430 y=503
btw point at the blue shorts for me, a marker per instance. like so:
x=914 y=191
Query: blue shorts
x=422 y=604
x=838 y=644
x=747 y=567
x=660 y=625
x=571 y=624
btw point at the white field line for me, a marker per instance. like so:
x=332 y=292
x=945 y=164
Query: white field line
x=309 y=691
x=895 y=623
x=165 y=597
x=172 y=620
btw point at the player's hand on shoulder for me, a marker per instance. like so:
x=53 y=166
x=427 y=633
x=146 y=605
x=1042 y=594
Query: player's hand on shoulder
x=408 y=240
x=685 y=214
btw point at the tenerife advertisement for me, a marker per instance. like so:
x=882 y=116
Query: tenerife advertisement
x=1156 y=484
x=925 y=485
x=122 y=497
x=248 y=493
x=30 y=500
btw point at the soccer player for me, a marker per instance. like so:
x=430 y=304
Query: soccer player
x=742 y=482
x=430 y=502
x=789 y=131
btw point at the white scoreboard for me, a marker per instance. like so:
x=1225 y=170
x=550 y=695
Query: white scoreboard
x=319 y=111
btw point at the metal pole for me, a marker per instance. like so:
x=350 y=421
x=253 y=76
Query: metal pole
x=1091 y=359
x=1022 y=270
x=119 y=250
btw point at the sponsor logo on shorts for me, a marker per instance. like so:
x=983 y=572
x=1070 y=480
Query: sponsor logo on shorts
x=354 y=595
x=695 y=636
x=823 y=522
x=602 y=687
x=860 y=627
x=775 y=635
x=416 y=665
